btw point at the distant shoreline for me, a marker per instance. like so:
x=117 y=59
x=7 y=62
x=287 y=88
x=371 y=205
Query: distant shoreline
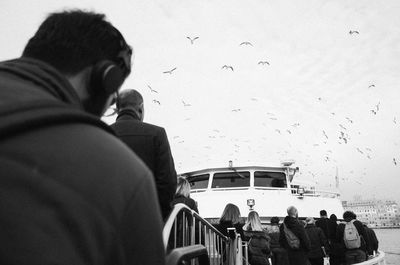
x=386 y=227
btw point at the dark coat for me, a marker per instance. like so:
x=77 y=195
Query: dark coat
x=223 y=228
x=296 y=256
x=189 y=202
x=151 y=144
x=258 y=247
x=71 y=192
x=365 y=244
x=317 y=240
x=372 y=239
x=323 y=223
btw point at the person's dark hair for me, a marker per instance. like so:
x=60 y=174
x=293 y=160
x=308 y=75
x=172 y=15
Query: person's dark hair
x=333 y=217
x=72 y=40
x=275 y=220
x=129 y=99
x=323 y=213
x=349 y=215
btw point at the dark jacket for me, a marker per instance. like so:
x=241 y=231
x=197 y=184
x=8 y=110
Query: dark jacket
x=372 y=239
x=70 y=192
x=296 y=256
x=323 y=223
x=361 y=231
x=258 y=247
x=151 y=144
x=273 y=233
x=223 y=228
x=317 y=240
x=187 y=201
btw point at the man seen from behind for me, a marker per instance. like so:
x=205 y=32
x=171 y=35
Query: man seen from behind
x=70 y=191
x=149 y=142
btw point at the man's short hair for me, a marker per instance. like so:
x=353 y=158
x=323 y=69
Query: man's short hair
x=129 y=99
x=349 y=215
x=73 y=40
x=323 y=213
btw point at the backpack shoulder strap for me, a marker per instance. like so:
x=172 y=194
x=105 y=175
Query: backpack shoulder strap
x=33 y=115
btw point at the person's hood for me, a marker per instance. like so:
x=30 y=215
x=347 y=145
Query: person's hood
x=44 y=76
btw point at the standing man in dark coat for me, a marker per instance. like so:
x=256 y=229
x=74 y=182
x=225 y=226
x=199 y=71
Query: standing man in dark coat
x=318 y=241
x=70 y=191
x=149 y=142
x=296 y=256
x=323 y=223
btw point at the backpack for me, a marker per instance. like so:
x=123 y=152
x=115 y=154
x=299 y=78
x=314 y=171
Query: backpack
x=258 y=249
x=351 y=237
x=292 y=240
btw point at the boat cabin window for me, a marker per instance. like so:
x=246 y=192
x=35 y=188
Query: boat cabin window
x=269 y=179
x=231 y=180
x=199 y=181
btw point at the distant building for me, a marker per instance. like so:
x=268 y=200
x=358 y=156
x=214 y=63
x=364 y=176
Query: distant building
x=376 y=213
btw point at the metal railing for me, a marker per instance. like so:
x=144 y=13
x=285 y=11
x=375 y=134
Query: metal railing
x=378 y=259
x=185 y=227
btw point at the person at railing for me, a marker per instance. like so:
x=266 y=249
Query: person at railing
x=279 y=254
x=230 y=218
x=182 y=194
x=355 y=246
x=258 y=240
x=323 y=222
x=296 y=256
x=372 y=239
x=318 y=241
x=336 y=255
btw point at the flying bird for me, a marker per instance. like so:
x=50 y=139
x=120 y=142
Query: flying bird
x=152 y=90
x=246 y=43
x=394 y=120
x=170 y=71
x=351 y=32
x=394 y=161
x=236 y=110
x=347 y=118
x=359 y=150
x=373 y=111
x=192 y=40
x=227 y=67
x=289 y=131
x=186 y=104
x=263 y=62
x=156 y=101
x=278 y=131
x=326 y=136
x=371 y=86
x=344 y=128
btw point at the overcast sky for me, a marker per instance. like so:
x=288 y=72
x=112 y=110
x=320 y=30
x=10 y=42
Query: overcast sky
x=302 y=88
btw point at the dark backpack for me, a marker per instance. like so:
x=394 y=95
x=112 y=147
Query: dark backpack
x=292 y=240
x=258 y=249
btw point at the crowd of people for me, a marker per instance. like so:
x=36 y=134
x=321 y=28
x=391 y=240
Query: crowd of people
x=302 y=242
x=73 y=192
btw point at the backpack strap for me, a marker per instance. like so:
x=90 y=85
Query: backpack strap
x=37 y=114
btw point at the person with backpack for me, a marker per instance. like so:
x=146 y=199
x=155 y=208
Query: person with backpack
x=258 y=240
x=319 y=243
x=279 y=255
x=351 y=234
x=294 y=239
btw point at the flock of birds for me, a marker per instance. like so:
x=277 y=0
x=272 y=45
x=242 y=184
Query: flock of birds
x=343 y=137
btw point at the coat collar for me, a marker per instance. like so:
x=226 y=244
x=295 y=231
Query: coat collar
x=128 y=114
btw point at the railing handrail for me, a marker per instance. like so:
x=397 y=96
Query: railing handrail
x=377 y=260
x=178 y=208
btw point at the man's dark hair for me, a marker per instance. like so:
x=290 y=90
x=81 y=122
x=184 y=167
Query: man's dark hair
x=323 y=213
x=349 y=215
x=73 y=40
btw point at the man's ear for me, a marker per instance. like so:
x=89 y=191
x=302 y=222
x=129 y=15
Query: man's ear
x=81 y=82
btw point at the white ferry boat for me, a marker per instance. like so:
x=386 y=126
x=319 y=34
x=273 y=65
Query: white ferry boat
x=269 y=190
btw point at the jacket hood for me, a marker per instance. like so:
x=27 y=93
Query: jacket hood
x=42 y=75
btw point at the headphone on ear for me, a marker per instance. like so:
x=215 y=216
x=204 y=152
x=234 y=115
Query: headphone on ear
x=108 y=76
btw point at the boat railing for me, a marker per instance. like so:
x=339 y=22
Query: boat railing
x=304 y=192
x=185 y=228
x=378 y=259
